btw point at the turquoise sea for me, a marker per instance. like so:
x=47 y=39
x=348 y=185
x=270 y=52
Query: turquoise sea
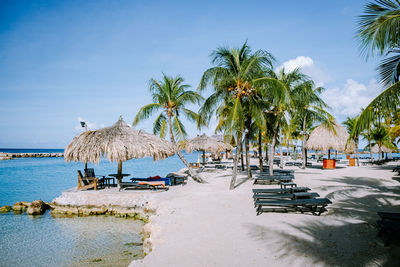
x=78 y=241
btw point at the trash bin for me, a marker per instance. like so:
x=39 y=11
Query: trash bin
x=329 y=164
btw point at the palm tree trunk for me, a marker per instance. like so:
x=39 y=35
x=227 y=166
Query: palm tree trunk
x=246 y=144
x=287 y=149
x=370 y=145
x=260 y=158
x=191 y=172
x=241 y=155
x=379 y=152
x=272 y=150
x=235 y=163
x=357 y=156
x=280 y=151
x=303 y=148
x=294 y=150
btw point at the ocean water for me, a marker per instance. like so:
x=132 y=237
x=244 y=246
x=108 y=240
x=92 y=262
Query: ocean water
x=77 y=241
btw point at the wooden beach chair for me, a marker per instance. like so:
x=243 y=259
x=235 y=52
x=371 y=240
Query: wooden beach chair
x=85 y=183
x=315 y=205
x=89 y=174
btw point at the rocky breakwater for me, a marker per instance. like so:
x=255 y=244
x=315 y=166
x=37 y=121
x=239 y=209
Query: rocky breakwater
x=4 y=156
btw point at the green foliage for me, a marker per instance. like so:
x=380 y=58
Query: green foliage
x=170 y=96
x=378 y=27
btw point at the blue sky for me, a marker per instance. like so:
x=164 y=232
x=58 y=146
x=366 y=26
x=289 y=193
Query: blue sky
x=65 y=60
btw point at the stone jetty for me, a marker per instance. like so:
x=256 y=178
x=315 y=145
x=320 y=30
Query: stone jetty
x=4 y=156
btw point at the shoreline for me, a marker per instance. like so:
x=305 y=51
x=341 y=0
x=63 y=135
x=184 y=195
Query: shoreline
x=215 y=226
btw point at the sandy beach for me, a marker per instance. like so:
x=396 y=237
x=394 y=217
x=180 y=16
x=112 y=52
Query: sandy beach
x=209 y=225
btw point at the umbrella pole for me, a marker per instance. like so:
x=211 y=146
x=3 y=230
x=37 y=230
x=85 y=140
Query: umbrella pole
x=119 y=177
x=329 y=154
x=204 y=157
x=85 y=168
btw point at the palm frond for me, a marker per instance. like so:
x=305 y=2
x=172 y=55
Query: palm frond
x=388 y=100
x=145 y=112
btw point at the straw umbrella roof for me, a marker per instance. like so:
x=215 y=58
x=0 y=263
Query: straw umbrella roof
x=118 y=143
x=206 y=143
x=384 y=149
x=323 y=138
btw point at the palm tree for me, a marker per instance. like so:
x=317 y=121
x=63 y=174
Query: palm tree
x=170 y=95
x=308 y=108
x=284 y=84
x=381 y=137
x=349 y=123
x=235 y=80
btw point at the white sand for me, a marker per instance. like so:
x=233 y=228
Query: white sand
x=209 y=225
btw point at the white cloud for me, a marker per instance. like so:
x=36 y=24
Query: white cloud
x=307 y=66
x=90 y=125
x=348 y=100
x=298 y=62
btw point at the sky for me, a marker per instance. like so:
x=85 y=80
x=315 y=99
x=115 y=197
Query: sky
x=66 y=61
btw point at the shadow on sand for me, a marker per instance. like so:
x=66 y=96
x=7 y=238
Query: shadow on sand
x=348 y=238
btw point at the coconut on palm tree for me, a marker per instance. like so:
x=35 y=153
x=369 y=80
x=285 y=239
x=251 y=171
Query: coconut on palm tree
x=170 y=96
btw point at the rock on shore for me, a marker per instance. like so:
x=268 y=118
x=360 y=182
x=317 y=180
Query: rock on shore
x=37 y=207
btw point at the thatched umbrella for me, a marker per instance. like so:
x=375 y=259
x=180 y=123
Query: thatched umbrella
x=118 y=143
x=205 y=143
x=324 y=138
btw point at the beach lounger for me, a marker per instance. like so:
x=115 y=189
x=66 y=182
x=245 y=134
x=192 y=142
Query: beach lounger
x=315 y=205
x=280 y=190
x=166 y=180
x=286 y=184
x=272 y=179
x=299 y=195
x=276 y=173
x=143 y=185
